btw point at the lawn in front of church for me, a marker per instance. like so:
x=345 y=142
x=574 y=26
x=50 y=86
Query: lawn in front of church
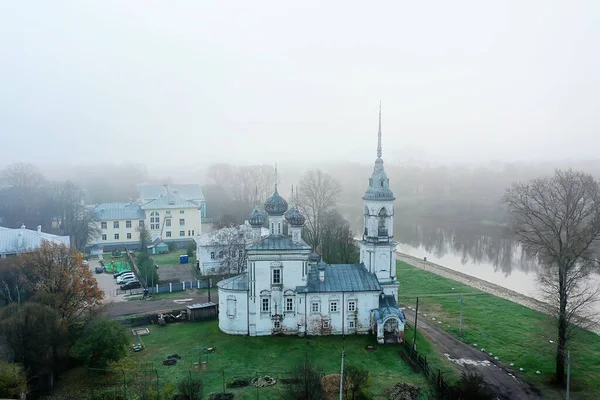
x=245 y=357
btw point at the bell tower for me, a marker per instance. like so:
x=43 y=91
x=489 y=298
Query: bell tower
x=377 y=247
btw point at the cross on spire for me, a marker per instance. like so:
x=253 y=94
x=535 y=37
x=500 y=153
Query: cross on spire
x=379 y=134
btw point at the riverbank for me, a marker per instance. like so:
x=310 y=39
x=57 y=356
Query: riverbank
x=484 y=286
x=520 y=340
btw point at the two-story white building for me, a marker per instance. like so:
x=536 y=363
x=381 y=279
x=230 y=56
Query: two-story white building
x=171 y=212
x=224 y=250
x=289 y=289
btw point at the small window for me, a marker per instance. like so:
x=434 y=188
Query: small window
x=181 y=222
x=151 y=219
x=116 y=236
x=350 y=324
x=352 y=305
x=265 y=305
x=240 y=253
x=168 y=212
x=333 y=306
x=212 y=255
x=189 y=233
x=127 y=224
x=103 y=237
x=167 y=222
x=129 y=236
x=231 y=307
x=192 y=232
x=276 y=276
x=314 y=306
x=116 y=224
x=181 y=211
x=325 y=324
x=103 y=225
x=141 y=223
x=157 y=219
x=181 y=233
x=168 y=233
x=289 y=305
x=277 y=325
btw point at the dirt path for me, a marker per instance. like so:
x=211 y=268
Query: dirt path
x=503 y=381
x=133 y=307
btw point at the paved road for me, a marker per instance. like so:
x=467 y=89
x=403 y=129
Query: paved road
x=133 y=307
x=468 y=358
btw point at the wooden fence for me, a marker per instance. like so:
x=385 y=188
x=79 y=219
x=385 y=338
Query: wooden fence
x=419 y=363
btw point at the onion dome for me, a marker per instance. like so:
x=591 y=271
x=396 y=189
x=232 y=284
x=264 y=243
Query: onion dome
x=276 y=205
x=314 y=257
x=256 y=218
x=294 y=217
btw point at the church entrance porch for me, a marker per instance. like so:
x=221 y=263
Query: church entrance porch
x=388 y=320
x=392 y=332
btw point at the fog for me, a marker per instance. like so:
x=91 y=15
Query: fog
x=189 y=83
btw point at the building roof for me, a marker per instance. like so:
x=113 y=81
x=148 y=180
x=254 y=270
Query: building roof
x=201 y=305
x=13 y=241
x=186 y=192
x=388 y=307
x=238 y=282
x=223 y=236
x=118 y=211
x=342 y=278
x=169 y=201
x=278 y=242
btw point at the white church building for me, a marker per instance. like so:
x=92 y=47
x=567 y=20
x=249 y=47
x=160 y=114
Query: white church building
x=289 y=289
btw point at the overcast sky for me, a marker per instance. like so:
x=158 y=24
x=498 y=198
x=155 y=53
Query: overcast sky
x=252 y=81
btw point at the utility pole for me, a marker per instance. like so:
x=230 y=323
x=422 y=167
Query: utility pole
x=460 y=320
x=416 y=319
x=568 y=374
x=342 y=376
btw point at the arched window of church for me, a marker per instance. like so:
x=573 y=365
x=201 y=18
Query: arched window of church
x=382 y=217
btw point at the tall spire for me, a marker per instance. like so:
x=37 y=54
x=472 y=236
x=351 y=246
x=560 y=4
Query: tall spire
x=276 y=177
x=379 y=134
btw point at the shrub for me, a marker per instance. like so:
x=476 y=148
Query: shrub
x=472 y=387
x=12 y=380
x=191 y=388
x=309 y=385
x=356 y=379
x=103 y=342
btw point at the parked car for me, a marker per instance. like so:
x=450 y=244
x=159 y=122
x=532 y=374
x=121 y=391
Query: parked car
x=126 y=278
x=85 y=263
x=99 y=269
x=131 y=285
x=118 y=274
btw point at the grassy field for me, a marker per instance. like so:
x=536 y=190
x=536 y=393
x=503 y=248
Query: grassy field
x=245 y=357
x=171 y=257
x=512 y=332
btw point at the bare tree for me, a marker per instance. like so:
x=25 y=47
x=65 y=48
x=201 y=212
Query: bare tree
x=230 y=248
x=337 y=241
x=318 y=194
x=247 y=185
x=23 y=175
x=76 y=220
x=557 y=219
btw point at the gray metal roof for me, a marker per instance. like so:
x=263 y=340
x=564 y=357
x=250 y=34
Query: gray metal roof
x=239 y=282
x=118 y=211
x=13 y=241
x=186 y=192
x=379 y=184
x=169 y=201
x=278 y=242
x=342 y=278
x=201 y=305
x=388 y=307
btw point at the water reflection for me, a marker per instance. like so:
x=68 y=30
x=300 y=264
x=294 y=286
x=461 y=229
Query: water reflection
x=480 y=246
